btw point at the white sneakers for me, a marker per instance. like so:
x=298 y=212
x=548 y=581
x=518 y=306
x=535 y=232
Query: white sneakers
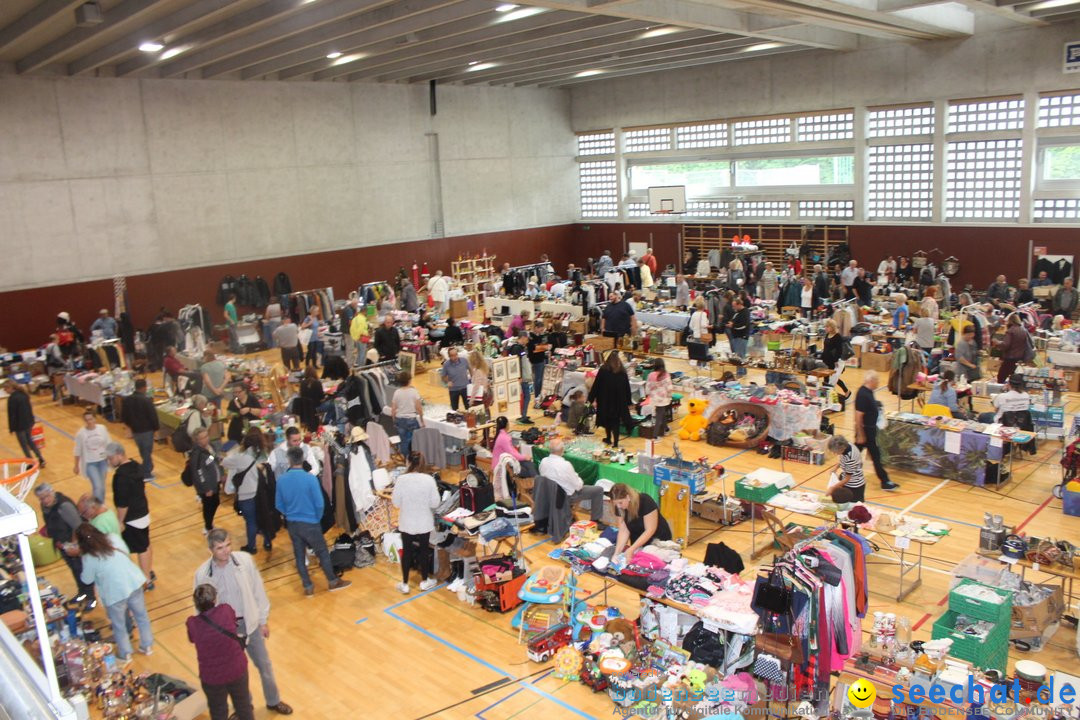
x=457 y=586
x=403 y=588
x=428 y=584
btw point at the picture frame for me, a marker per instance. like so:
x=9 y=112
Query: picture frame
x=513 y=392
x=498 y=371
x=502 y=393
x=513 y=368
x=407 y=362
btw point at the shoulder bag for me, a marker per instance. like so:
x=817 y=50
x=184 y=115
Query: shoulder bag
x=223 y=631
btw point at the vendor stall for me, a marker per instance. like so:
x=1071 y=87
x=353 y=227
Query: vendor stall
x=667 y=320
x=590 y=470
x=786 y=418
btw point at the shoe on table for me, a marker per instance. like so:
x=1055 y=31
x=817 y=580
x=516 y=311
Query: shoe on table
x=339 y=584
x=281 y=708
x=428 y=584
x=403 y=588
x=889 y=485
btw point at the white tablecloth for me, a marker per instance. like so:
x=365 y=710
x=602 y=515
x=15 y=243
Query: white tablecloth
x=671 y=321
x=86 y=391
x=435 y=417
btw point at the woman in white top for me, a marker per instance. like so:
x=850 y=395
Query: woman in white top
x=658 y=388
x=647 y=281
x=243 y=469
x=699 y=321
x=416 y=496
x=407 y=410
x=271 y=322
x=929 y=306
x=480 y=378
x=806 y=297
x=201 y=415
x=90 y=444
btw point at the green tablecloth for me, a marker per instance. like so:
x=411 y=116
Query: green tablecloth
x=167 y=419
x=591 y=471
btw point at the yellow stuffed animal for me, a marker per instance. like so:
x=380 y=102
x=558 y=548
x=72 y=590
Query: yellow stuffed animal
x=694 y=424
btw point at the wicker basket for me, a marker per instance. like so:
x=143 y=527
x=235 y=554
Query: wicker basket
x=741 y=409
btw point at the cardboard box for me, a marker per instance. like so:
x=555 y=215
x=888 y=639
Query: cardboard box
x=576 y=326
x=881 y=362
x=599 y=342
x=459 y=308
x=1031 y=621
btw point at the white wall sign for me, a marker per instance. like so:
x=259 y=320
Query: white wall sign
x=1072 y=57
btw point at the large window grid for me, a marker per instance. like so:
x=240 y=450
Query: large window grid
x=972 y=151
x=900 y=182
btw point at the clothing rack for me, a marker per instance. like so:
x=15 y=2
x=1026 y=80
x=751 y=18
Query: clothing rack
x=328 y=290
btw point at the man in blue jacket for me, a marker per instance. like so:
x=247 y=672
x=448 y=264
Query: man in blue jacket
x=299 y=499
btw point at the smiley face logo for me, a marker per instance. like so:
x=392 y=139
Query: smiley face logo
x=861 y=694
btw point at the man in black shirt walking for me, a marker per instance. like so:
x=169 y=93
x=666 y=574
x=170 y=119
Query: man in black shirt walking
x=866 y=418
x=141 y=417
x=132 y=510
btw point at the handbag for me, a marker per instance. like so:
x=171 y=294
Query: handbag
x=771 y=594
x=784 y=647
x=223 y=631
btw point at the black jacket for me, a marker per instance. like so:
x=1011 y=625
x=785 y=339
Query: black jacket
x=139 y=413
x=611 y=391
x=832 y=350
x=129 y=490
x=59 y=517
x=20 y=414
x=387 y=342
x=205 y=471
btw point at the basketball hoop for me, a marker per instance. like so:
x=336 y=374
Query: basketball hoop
x=662 y=212
x=18 y=476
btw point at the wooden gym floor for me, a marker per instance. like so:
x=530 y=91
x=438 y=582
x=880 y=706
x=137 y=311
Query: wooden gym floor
x=371 y=652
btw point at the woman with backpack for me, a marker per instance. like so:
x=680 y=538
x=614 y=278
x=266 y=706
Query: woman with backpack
x=1015 y=347
x=243 y=470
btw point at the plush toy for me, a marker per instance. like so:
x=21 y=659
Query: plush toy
x=694 y=424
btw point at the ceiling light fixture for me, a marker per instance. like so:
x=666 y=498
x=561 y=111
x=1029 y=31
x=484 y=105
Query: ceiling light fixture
x=762 y=46
x=476 y=67
x=151 y=47
x=588 y=73
x=520 y=14
x=1050 y=4
x=344 y=59
x=333 y=56
x=660 y=31
x=506 y=7
x=173 y=52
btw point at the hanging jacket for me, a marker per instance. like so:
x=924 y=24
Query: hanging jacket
x=226 y=287
x=262 y=292
x=245 y=292
x=282 y=284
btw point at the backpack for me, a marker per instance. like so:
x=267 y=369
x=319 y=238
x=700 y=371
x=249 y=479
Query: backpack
x=186 y=475
x=181 y=441
x=477 y=498
x=1029 y=348
x=846 y=351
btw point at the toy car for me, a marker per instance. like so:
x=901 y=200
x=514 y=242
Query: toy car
x=546 y=644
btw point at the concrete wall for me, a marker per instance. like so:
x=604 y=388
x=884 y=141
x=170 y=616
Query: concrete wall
x=114 y=176
x=1004 y=62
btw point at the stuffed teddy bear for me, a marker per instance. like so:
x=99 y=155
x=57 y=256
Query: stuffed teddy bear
x=694 y=424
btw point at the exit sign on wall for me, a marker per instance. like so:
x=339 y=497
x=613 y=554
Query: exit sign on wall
x=1072 y=57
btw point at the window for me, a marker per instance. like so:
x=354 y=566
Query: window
x=646 y=140
x=900 y=121
x=1059 y=162
x=1057 y=210
x=1059 y=111
x=720 y=209
x=702 y=179
x=837 y=126
x=900 y=182
x=986 y=115
x=831 y=209
x=596 y=143
x=704 y=135
x=761 y=209
x=599 y=189
x=762 y=172
x=758 y=132
x=983 y=180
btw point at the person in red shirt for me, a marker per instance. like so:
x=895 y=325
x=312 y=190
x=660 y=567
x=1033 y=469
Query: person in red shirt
x=172 y=365
x=223 y=667
x=649 y=259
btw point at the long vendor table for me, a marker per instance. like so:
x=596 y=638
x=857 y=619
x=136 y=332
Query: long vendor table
x=785 y=419
x=671 y=321
x=591 y=471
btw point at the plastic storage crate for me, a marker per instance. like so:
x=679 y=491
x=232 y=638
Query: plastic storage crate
x=998 y=613
x=989 y=652
x=503 y=596
x=689 y=473
x=755 y=494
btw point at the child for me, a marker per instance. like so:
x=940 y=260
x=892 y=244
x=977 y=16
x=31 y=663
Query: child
x=575 y=418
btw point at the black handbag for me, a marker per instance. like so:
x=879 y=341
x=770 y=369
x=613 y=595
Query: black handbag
x=771 y=594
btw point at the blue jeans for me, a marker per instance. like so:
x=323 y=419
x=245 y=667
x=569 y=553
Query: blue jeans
x=145 y=442
x=247 y=509
x=95 y=472
x=117 y=612
x=526 y=394
x=538 y=377
x=738 y=346
x=405 y=427
x=309 y=535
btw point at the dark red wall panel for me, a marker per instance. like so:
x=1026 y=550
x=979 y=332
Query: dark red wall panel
x=591 y=240
x=33 y=311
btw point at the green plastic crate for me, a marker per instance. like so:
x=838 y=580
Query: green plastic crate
x=755 y=494
x=982 y=652
x=980 y=610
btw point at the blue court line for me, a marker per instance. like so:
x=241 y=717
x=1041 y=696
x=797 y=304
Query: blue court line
x=480 y=661
x=500 y=702
x=360 y=620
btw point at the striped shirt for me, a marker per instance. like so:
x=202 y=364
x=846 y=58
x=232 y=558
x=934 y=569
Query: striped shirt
x=851 y=465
